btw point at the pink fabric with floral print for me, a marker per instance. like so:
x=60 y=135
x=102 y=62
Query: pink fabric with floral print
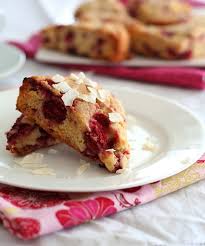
x=28 y=214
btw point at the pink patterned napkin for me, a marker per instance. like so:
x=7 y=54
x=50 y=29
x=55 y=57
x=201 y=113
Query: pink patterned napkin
x=181 y=77
x=29 y=214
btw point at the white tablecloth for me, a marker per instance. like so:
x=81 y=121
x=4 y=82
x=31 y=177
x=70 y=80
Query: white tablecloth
x=177 y=219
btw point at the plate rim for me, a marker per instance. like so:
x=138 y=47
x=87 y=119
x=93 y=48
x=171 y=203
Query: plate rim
x=130 y=184
x=49 y=57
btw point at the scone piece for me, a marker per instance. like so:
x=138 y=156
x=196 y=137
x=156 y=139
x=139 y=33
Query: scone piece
x=25 y=137
x=159 y=12
x=96 y=40
x=76 y=111
x=104 y=10
x=181 y=41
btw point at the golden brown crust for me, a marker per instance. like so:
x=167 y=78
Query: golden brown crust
x=180 y=41
x=106 y=11
x=160 y=12
x=85 y=126
x=107 y=41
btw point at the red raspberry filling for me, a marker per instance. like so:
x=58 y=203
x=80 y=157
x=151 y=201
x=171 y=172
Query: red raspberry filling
x=72 y=50
x=44 y=138
x=167 y=33
x=54 y=109
x=100 y=42
x=134 y=6
x=183 y=55
x=119 y=159
x=18 y=129
x=97 y=47
x=69 y=37
x=98 y=138
x=21 y=130
x=150 y=50
x=59 y=27
x=46 y=40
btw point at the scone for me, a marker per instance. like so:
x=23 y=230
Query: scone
x=78 y=112
x=180 y=41
x=91 y=39
x=159 y=12
x=104 y=10
x=25 y=137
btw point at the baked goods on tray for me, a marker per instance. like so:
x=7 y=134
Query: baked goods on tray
x=77 y=111
x=104 y=10
x=180 y=41
x=159 y=12
x=94 y=39
x=111 y=31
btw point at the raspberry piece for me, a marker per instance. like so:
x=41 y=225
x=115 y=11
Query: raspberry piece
x=54 y=109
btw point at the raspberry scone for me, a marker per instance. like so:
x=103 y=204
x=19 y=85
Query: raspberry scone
x=78 y=112
x=180 y=41
x=106 y=11
x=96 y=40
x=25 y=137
x=160 y=12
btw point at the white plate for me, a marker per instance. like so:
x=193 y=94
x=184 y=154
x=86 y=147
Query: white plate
x=44 y=55
x=11 y=60
x=179 y=135
x=2 y=20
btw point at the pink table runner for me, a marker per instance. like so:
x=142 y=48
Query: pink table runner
x=28 y=214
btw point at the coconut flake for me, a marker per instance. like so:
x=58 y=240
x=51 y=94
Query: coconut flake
x=185 y=161
x=34 y=158
x=115 y=117
x=79 y=81
x=103 y=94
x=58 y=78
x=120 y=171
x=43 y=171
x=33 y=166
x=31 y=161
x=110 y=150
x=149 y=146
x=81 y=78
x=69 y=97
x=92 y=90
x=73 y=76
x=62 y=87
x=81 y=75
x=52 y=151
x=91 y=98
x=85 y=165
x=89 y=82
